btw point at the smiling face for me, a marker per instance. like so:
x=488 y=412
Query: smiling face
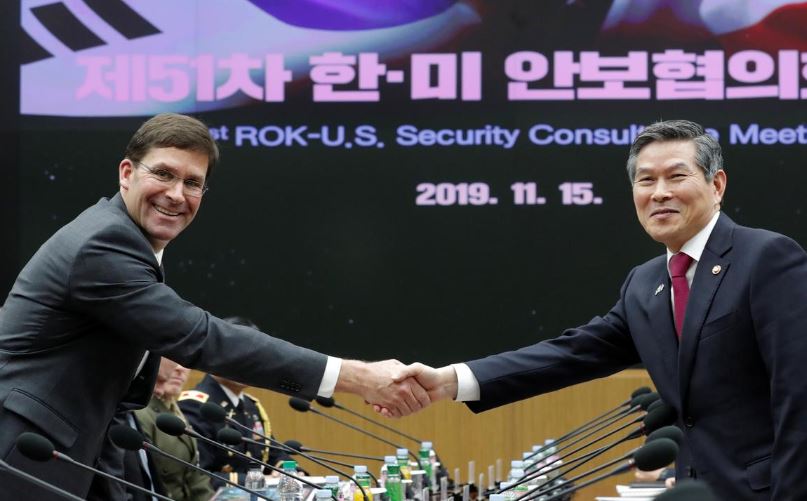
x=162 y=210
x=673 y=199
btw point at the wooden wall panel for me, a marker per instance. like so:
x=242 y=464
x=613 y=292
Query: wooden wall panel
x=458 y=434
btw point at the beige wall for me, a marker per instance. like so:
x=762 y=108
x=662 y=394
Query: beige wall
x=458 y=434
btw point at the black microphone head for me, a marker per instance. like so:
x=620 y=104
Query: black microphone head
x=655 y=405
x=672 y=432
x=662 y=415
x=688 y=490
x=229 y=436
x=646 y=399
x=656 y=454
x=35 y=446
x=299 y=405
x=126 y=437
x=213 y=412
x=326 y=401
x=170 y=424
x=294 y=445
x=640 y=391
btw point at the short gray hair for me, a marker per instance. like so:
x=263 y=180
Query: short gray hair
x=708 y=155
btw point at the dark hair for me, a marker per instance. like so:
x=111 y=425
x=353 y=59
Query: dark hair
x=242 y=321
x=172 y=130
x=708 y=155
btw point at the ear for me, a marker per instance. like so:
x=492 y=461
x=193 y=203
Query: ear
x=125 y=170
x=719 y=184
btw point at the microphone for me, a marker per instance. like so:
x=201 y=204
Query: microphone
x=651 y=456
x=230 y=436
x=292 y=443
x=330 y=402
x=300 y=405
x=296 y=448
x=688 y=490
x=641 y=401
x=672 y=432
x=36 y=481
x=38 y=448
x=660 y=417
x=216 y=414
x=172 y=425
x=643 y=390
x=130 y=439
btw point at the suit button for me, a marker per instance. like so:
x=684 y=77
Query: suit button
x=689 y=422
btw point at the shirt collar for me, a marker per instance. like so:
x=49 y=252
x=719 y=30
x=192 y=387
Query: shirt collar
x=234 y=399
x=695 y=245
x=159 y=256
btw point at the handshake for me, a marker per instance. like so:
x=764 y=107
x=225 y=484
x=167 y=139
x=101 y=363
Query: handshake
x=395 y=389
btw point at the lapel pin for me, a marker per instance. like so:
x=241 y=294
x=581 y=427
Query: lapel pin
x=716 y=269
x=659 y=289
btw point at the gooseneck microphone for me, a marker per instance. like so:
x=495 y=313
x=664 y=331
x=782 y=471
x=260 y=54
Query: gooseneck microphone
x=672 y=432
x=660 y=417
x=130 y=439
x=651 y=456
x=172 y=425
x=330 y=402
x=297 y=447
x=35 y=446
x=630 y=402
x=300 y=405
x=230 y=436
x=640 y=402
x=37 y=481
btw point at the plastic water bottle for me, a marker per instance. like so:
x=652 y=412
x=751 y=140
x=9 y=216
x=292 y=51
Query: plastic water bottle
x=363 y=479
x=508 y=495
x=332 y=484
x=515 y=466
x=324 y=494
x=289 y=489
x=426 y=463
x=403 y=463
x=520 y=489
x=382 y=477
x=255 y=481
x=393 y=484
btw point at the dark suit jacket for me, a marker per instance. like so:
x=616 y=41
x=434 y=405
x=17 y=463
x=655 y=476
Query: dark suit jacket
x=738 y=379
x=75 y=326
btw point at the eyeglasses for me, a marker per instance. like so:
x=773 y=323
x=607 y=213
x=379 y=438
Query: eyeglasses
x=190 y=187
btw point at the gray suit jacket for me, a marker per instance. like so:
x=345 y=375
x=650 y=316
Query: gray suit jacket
x=77 y=323
x=738 y=379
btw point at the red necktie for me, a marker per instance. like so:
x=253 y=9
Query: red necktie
x=679 y=264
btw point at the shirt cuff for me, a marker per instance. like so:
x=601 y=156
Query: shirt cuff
x=328 y=384
x=467 y=385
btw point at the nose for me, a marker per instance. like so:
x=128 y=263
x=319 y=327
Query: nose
x=661 y=192
x=175 y=192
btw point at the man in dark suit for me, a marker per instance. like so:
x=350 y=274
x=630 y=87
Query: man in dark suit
x=719 y=323
x=84 y=325
x=240 y=406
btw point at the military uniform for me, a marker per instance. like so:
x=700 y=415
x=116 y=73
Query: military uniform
x=178 y=482
x=249 y=412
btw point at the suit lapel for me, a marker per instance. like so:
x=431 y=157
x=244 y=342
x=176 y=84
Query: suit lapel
x=712 y=267
x=661 y=318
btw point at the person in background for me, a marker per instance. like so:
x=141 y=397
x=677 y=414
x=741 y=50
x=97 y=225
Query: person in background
x=176 y=480
x=239 y=405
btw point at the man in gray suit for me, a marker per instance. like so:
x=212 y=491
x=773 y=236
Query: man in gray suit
x=85 y=324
